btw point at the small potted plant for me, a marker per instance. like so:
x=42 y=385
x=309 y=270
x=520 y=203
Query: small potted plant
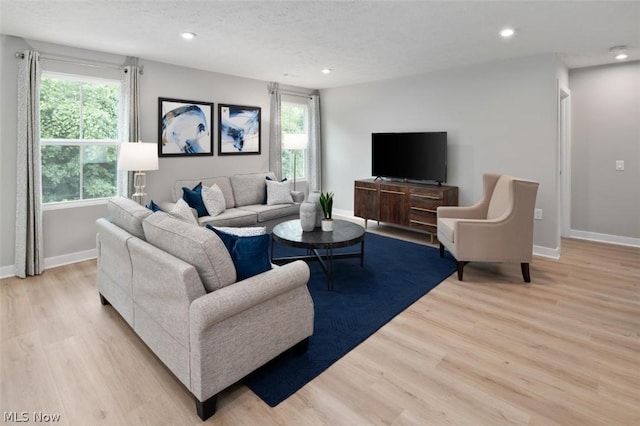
x=326 y=202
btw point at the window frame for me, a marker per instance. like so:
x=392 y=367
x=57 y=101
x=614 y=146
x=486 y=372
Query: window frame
x=75 y=77
x=294 y=102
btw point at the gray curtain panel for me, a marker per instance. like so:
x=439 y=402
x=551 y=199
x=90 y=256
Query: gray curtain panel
x=130 y=111
x=29 y=253
x=314 y=157
x=275 y=131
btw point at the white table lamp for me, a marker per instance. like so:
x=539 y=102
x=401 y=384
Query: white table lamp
x=138 y=157
x=295 y=141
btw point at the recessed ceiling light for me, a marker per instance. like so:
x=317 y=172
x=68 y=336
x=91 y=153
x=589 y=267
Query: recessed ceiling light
x=619 y=52
x=188 y=36
x=326 y=71
x=507 y=32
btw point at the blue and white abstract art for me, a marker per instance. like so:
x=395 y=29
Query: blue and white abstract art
x=185 y=127
x=239 y=129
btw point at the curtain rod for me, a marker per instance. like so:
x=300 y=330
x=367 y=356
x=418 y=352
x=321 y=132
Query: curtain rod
x=298 y=94
x=75 y=61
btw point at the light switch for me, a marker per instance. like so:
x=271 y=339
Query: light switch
x=537 y=214
x=619 y=165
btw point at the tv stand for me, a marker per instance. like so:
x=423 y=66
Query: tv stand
x=407 y=204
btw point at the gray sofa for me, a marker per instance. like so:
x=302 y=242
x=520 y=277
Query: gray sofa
x=175 y=284
x=244 y=196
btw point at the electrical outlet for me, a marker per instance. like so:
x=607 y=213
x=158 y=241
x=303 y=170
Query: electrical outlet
x=619 y=165
x=537 y=214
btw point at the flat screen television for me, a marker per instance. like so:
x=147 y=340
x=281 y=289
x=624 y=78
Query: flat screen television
x=410 y=156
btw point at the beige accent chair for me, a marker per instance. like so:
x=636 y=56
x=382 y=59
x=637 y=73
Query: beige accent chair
x=499 y=228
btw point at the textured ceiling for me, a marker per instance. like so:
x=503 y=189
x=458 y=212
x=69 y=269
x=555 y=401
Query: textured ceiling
x=361 y=41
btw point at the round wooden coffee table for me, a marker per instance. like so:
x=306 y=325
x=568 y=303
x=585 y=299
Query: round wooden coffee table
x=344 y=234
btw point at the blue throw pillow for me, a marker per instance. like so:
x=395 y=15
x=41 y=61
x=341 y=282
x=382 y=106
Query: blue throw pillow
x=265 y=188
x=154 y=207
x=250 y=255
x=193 y=197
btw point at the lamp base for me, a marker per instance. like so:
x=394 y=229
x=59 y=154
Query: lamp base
x=139 y=183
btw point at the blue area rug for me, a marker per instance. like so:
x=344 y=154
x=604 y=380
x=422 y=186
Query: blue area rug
x=396 y=273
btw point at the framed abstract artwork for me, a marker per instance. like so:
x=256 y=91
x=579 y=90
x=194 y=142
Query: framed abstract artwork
x=185 y=128
x=238 y=129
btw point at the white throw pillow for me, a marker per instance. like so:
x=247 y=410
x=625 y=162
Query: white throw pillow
x=279 y=192
x=213 y=199
x=248 y=231
x=183 y=212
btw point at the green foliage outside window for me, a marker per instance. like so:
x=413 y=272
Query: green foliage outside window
x=293 y=119
x=79 y=133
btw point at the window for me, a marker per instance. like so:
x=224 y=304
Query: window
x=294 y=121
x=78 y=137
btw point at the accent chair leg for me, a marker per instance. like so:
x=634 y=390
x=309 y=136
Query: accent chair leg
x=460 y=268
x=103 y=301
x=441 y=250
x=301 y=347
x=206 y=408
x=525 y=272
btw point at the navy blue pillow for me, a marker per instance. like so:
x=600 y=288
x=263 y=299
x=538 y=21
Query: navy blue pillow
x=154 y=207
x=193 y=197
x=250 y=255
x=265 y=188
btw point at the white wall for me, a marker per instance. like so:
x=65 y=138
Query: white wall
x=605 y=203
x=500 y=117
x=70 y=233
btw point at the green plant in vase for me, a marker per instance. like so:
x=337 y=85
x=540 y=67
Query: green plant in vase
x=326 y=202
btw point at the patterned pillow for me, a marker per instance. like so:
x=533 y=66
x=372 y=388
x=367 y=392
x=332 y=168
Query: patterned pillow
x=278 y=192
x=246 y=231
x=213 y=199
x=183 y=212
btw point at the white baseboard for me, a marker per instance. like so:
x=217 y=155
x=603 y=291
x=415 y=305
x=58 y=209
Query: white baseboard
x=546 y=252
x=7 y=271
x=604 y=238
x=53 y=262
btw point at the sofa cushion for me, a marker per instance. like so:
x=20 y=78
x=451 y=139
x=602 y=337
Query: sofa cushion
x=231 y=217
x=195 y=245
x=266 y=212
x=249 y=188
x=193 y=197
x=213 y=199
x=250 y=254
x=278 y=192
x=128 y=215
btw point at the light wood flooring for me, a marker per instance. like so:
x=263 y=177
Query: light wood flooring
x=563 y=350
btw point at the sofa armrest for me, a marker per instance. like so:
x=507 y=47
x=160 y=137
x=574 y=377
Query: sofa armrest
x=233 y=299
x=240 y=327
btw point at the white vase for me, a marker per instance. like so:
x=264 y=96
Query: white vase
x=327 y=225
x=308 y=216
x=314 y=197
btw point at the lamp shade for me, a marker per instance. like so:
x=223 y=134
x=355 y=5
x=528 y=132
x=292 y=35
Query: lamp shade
x=138 y=156
x=295 y=141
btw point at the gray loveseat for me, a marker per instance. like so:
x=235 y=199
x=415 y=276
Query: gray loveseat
x=244 y=196
x=175 y=284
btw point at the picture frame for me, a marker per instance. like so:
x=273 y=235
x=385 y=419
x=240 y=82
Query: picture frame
x=239 y=130
x=185 y=128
